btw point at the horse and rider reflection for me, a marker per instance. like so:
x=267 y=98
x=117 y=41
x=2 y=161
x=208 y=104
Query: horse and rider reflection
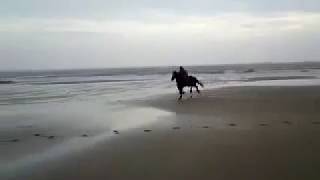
x=184 y=80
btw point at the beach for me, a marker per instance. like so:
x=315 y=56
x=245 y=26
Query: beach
x=244 y=132
x=159 y=90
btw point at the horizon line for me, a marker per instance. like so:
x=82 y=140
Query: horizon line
x=156 y=66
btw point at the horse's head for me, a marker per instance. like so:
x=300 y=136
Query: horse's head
x=174 y=75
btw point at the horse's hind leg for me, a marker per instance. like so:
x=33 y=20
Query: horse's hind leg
x=198 y=90
x=191 y=91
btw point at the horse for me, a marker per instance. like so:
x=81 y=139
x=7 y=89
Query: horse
x=182 y=82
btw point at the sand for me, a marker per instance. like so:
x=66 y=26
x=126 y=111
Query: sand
x=227 y=133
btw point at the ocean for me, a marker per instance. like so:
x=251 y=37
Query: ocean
x=29 y=87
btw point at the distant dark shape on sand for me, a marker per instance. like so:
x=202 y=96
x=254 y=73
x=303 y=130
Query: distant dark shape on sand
x=287 y=122
x=251 y=70
x=51 y=137
x=6 y=82
x=10 y=140
x=39 y=135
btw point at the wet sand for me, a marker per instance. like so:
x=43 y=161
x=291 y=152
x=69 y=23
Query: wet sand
x=227 y=133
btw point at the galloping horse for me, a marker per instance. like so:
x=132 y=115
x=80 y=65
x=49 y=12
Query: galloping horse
x=182 y=82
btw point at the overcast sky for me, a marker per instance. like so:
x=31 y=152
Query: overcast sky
x=63 y=34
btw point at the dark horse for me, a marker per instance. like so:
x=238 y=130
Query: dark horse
x=182 y=82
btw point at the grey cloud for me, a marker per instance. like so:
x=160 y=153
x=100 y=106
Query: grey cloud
x=89 y=50
x=38 y=34
x=136 y=8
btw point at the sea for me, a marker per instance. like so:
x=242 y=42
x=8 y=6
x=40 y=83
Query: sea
x=114 y=84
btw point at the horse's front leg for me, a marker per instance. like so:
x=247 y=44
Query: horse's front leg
x=180 y=92
x=191 y=91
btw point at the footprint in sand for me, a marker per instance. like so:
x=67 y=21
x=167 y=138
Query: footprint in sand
x=205 y=127
x=39 y=135
x=232 y=124
x=10 y=140
x=176 y=128
x=84 y=135
x=147 y=130
x=287 y=122
x=263 y=124
x=51 y=137
x=115 y=131
x=316 y=122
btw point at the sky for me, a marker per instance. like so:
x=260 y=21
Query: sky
x=65 y=34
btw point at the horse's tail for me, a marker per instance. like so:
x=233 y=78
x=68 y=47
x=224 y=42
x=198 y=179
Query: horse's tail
x=200 y=83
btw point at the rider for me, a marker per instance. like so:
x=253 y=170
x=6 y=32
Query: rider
x=183 y=73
